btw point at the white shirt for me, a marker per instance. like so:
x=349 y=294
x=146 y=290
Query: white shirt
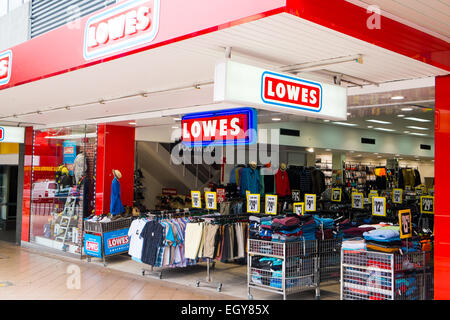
x=136 y=242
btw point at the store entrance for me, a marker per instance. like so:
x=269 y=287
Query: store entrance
x=8 y=202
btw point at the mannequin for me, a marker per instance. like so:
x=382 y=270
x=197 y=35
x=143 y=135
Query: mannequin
x=116 y=206
x=253 y=165
x=250 y=180
x=283 y=166
x=79 y=166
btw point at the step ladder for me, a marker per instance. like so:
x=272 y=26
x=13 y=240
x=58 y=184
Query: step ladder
x=66 y=215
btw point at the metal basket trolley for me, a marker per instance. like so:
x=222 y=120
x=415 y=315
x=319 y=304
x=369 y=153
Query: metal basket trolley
x=367 y=275
x=298 y=268
x=102 y=239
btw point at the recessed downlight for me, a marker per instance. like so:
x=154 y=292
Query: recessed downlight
x=132 y=123
x=326 y=120
x=400 y=115
x=397 y=97
x=407 y=109
x=276 y=119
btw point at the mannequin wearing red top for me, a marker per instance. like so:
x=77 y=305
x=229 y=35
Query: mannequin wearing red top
x=282 y=182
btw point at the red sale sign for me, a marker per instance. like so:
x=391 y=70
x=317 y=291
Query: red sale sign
x=282 y=90
x=5 y=67
x=125 y=26
x=237 y=126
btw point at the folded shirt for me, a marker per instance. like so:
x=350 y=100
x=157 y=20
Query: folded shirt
x=325 y=234
x=381 y=234
x=277 y=226
x=256 y=219
x=373 y=247
x=359 y=244
x=326 y=222
x=288 y=221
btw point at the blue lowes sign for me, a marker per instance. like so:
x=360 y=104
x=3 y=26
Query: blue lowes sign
x=116 y=241
x=217 y=128
x=93 y=245
x=69 y=152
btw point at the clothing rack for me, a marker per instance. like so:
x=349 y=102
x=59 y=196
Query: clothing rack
x=208 y=280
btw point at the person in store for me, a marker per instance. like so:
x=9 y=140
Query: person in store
x=116 y=206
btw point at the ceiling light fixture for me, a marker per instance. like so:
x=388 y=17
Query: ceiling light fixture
x=370 y=127
x=276 y=119
x=310 y=149
x=379 y=121
x=417 y=128
x=326 y=120
x=132 y=123
x=406 y=109
x=406 y=131
x=385 y=129
x=400 y=115
x=397 y=97
x=418 y=134
x=345 y=124
x=417 y=119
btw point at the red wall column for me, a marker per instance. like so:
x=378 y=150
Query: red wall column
x=115 y=150
x=442 y=189
x=26 y=201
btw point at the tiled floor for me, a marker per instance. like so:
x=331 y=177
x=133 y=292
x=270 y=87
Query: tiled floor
x=30 y=274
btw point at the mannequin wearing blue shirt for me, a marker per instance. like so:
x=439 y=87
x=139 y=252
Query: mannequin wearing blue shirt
x=116 y=206
x=250 y=180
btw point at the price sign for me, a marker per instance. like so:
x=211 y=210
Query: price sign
x=379 y=206
x=310 y=202
x=419 y=191
x=372 y=193
x=295 y=195
x=336 y=194
x=299 y=208
x=427 y=204
x=211 y=200
x=404 y=221
x=271 y=204
x=196 y=199
x=220 y=195
x=253 y=205
x=357 y=200
x=397 y=196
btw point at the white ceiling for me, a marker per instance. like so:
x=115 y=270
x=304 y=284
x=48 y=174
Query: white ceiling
x=430 y=14
x=276 y=41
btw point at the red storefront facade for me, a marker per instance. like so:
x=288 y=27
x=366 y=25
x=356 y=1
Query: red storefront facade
x=52 y=56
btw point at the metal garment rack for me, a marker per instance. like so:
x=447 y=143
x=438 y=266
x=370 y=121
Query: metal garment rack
x=208 y=280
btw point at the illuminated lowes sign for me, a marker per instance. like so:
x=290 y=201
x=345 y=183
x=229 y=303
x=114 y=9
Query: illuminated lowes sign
x=127 y=25
x=5 y=67
x=236 y=127
x=291 y=92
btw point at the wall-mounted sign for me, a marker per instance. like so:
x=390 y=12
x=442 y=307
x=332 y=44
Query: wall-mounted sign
x=427 y=204
x=336 y=194
x=379 y=206
x=357 y=200
x=121 y=27
x=235 y=127
x=12 y=134
x=299 y=208
x=404 y=221
x=397 y=196
x=271 y=204
x=249 y=85
x=5 y=67
x=253 y=205
x=196 y=199
x=310 y=202
x=211 y=200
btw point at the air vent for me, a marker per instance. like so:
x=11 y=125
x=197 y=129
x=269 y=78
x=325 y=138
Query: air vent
x=289 y=132
x=367 y=140
x=425 y=147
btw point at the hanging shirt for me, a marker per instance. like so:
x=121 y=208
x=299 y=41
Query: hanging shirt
x=136 y=241
x=116 y=206
x=153 y=234
x=282 y=183
x=250 y=181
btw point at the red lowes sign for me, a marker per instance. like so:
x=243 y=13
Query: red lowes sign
x=237 y=126
x=122 y=27
x=119 y=241
x=282 y=90
x=5 y=67
x=92 y=246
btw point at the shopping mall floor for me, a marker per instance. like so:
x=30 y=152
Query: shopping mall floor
x=29 y=274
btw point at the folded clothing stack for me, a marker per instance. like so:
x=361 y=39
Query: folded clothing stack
x=309 y=228
x=384 y=239
x=355 y=232
x=286 y=229
x=354 y=245
x=325 y=234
